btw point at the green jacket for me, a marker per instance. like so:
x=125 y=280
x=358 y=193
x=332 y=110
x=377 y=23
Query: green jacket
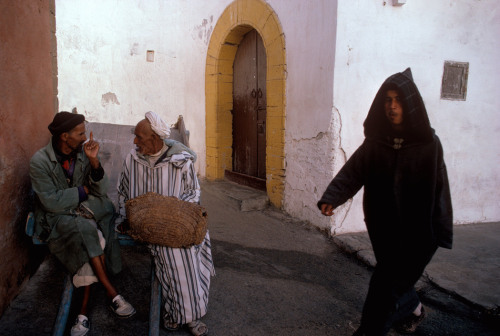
x=56 y=203
x=176 y=147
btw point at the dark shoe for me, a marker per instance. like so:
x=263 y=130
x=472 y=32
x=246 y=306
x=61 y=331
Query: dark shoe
x=409 y=325
x=359 y=332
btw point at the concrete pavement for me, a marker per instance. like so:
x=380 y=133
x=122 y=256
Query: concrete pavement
x=471 y=270
x=279 y=276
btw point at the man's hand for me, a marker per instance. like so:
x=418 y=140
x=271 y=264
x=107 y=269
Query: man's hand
x=124 y=226
x=327 y=209
x=91 y=149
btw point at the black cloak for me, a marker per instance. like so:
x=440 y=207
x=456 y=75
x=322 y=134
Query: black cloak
x=406 y=199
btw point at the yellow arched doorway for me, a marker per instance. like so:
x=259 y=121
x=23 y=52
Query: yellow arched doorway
x=239 y=18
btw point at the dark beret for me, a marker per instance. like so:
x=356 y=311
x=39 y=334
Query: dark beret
x=65 y=122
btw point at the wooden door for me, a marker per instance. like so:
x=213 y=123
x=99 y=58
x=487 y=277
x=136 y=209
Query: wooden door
x=249 y=107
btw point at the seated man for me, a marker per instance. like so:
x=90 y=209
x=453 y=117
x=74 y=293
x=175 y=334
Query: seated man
x=166 y=167
x=73 y=214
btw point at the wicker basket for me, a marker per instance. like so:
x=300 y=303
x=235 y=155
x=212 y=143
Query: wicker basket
x=166 y=221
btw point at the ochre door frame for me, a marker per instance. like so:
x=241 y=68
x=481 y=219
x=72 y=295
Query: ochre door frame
x=238 y=18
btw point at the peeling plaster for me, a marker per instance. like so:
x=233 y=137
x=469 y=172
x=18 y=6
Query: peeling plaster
x=109 y=98
x=135 y=49
x=349 y=55
x=343 y=210
x=203 y=31
x=311 y=164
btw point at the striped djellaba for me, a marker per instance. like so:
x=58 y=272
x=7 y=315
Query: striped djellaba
x=184 y=273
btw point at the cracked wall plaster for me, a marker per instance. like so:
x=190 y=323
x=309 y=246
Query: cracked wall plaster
x=311 y=164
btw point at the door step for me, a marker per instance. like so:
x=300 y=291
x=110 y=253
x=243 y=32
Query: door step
x=244 y=198
x=246 y=180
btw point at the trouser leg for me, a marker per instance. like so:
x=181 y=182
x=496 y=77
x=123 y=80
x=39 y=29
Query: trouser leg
x=391 y=293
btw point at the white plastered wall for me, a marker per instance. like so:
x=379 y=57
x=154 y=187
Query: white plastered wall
x=376 y=39
x=103 y=70
x=338 y=53
x=312 y=125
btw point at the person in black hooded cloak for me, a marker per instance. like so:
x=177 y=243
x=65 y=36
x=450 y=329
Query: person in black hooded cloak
x=406 y=202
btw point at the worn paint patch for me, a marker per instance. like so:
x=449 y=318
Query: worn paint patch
x=134 y=50
x=204 y=30
x=109 y=98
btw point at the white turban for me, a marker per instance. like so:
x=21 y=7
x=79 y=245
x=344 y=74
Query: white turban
x=158 y=125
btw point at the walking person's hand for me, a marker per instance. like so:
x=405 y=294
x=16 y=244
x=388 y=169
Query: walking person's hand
x=327 y=209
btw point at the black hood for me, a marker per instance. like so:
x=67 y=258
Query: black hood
x=416 y=125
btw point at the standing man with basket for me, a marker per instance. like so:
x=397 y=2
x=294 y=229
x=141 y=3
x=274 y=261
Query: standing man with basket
x=166 y=167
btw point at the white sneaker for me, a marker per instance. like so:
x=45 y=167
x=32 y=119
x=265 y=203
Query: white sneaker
x=81 y=326
x=121 y=307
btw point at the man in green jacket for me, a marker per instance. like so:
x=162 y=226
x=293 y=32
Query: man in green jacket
x=73 y=213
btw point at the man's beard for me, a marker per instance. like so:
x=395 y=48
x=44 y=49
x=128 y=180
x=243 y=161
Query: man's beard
x=77 y=149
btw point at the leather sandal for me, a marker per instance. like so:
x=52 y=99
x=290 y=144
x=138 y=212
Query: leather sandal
x=197 y=328
x=171 y=326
